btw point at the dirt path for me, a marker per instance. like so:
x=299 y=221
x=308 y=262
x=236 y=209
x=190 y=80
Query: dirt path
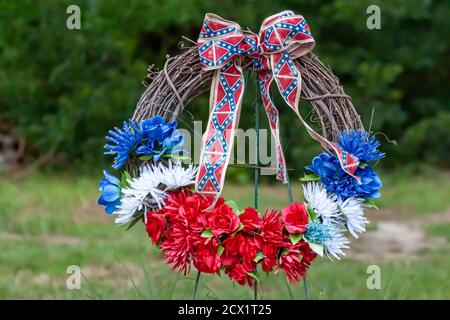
x=393 y=239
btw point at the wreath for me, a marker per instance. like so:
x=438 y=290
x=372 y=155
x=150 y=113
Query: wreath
x=180 y=204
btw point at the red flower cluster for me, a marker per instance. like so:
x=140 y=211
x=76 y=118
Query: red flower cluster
x=221 y=240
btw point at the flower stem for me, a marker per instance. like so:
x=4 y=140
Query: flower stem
x=305 y=286
x=291 y=294
x=197 y=279
x=291 y=199
x=257 y=170
x=289 y=187
x=256 y=181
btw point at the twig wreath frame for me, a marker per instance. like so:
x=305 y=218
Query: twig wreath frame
x=181 y=80
x=199 y=227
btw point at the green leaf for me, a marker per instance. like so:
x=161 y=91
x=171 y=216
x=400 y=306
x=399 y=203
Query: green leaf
x=295 y=237
x=207 y=233
x=362 y=165
x=253 y=275
x=369 y=203
x=311 y=213
x=177 y=156
x=220 y=250
x=309 y=177
x=234 y=206
x=317 y=248
x=124 y=179
x=134 y=221
x=258 y=257
x=241 y=226
x=146 y=158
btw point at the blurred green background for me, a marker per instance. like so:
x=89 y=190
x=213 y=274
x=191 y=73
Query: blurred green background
x=61 y=90
x=64 y=89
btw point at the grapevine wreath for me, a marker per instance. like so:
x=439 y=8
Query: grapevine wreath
x=180 y=204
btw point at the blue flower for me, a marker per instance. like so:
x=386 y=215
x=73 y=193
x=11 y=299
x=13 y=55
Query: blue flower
x=319 y=233
x=111 y=190
x=157 y=128
x=337 y=181
x=122 y=142
x=160 y=138
x=360 y=145
x=329 y=235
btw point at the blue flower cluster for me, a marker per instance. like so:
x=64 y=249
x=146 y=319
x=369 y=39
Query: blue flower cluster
x=160 y=138
x=359 y=144
x=337 y=181
x=122 y=142
x=153 y=137
x=319 y=233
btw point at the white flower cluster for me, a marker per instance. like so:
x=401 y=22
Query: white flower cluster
x=347 y=214
x=149 y=189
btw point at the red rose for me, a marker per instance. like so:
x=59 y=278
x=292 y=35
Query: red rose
x=239 y=248
x=193 y=213
x=295 y=217
x=155 y=226
x=307 y=254
x=206 y=258
x=223 y=220
x=230 y=255
x=248 y=251
x=250 y=219
x=239 y=274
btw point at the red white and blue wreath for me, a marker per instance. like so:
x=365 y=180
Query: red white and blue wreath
x=180 y=204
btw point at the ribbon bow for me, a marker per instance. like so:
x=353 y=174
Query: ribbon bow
x=222 y=45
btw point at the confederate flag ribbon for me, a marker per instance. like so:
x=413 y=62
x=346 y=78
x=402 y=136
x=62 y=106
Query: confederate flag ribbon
x=222 y=45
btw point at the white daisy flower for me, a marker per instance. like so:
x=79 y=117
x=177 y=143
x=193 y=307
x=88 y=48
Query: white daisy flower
x=150 y=189
x=143 y=192
x=335 y=246
x=175 y=176
x=126 y=210
x=324 y=205
x=353 y=210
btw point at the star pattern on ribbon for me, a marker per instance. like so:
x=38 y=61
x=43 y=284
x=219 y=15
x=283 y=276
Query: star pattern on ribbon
x=283 y=37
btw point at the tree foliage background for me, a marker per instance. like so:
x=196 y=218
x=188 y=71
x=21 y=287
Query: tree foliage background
x=64 y=89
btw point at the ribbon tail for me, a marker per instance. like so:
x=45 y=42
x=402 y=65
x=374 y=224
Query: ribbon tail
x=264 y=81
x=289 y=83
x=227 y=89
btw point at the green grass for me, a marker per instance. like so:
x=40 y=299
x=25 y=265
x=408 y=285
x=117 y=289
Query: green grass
x=50 y=222
x=439 y=230
x=411 y=192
